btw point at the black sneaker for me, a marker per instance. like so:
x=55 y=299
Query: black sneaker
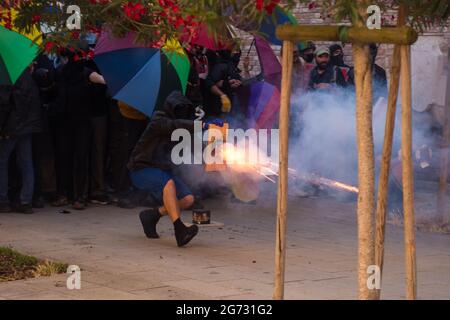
x=100 y=199
x=185 y=235
x=5 y=207
x=149 y=219
x=26 y=208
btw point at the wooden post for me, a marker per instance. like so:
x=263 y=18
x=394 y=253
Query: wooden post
x=383 y=184
x=408 y=173
x=366 y=167
x=280 y=247
x=442 y=195
x=354 y=34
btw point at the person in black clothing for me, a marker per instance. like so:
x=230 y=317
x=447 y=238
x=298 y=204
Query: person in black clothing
x=99 y=127
x=126 y=127
x=43 y=142
x=151 y=168
x=219 y=85
x=197 y=75
x=73 y=126
x=307 y=53
x=20 y=117
x=337 y=59
x=379 y=79
x=325 y=76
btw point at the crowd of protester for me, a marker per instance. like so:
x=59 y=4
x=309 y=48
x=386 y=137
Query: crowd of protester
x=65 y=141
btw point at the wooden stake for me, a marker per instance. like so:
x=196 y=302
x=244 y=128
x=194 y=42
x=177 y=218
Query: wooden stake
x=280 y=247
x=408 y=173
x=383 y=184
x=366 y=168
x=442 y=195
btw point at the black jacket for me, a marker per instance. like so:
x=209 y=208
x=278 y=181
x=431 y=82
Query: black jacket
x=20 y=107
x=73 y=93
x=222 y=70
x=333 y=75
x=154 y=148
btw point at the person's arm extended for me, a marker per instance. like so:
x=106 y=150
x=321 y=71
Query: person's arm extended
x=94 y=77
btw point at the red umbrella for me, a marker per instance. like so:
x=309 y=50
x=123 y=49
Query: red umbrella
x=204 y=38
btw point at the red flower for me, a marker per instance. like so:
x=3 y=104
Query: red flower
x=271 y=6
x=134 y=11
x=49 y=46
x=36 y=19
x=259 y=5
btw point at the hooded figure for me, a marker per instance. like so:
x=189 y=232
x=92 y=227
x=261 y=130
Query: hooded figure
x=337 y=60
x=150 y=168
x=154 y=147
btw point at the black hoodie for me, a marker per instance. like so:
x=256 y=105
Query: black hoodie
x=20 y=107
x=154 y=148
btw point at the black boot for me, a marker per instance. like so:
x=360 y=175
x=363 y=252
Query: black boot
x=184 y=234
x=149 y=219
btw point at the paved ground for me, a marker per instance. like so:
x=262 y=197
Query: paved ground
x=234 y=262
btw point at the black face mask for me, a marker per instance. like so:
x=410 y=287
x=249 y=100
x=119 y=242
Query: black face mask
x=309 y=57
x=337 y=60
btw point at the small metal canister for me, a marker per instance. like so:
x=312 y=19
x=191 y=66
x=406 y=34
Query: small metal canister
x=201 y=216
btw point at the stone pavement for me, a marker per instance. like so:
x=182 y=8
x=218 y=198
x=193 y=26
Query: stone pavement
x=233 y=262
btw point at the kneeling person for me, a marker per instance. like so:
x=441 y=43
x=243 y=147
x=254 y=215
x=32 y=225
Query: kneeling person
x=150 y=168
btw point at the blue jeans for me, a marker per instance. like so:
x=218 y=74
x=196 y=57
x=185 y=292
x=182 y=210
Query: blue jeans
x=22 y=145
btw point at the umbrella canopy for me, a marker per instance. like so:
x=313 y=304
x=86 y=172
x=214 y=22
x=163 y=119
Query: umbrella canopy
x=262 y=97
x=17 y=51
x=140 y=76
x=221 y=41
x=270 y=23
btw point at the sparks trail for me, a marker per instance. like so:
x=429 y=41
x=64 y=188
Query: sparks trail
x=238 y=162
x=318 y=180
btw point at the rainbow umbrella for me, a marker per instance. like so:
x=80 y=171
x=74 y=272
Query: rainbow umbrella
x=262 y=96
x=140 y=76
x=17 y=51
x=270 y=23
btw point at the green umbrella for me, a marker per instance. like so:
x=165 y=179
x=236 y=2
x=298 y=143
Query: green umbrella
x=17 y=51
x=180 y=61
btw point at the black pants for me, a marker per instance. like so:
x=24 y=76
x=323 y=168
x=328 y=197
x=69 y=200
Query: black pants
x=124 y=135
x=72 y=156
x=98 y=155
x=44 y=163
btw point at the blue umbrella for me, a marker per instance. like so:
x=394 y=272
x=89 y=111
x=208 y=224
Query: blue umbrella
x=142 y=77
